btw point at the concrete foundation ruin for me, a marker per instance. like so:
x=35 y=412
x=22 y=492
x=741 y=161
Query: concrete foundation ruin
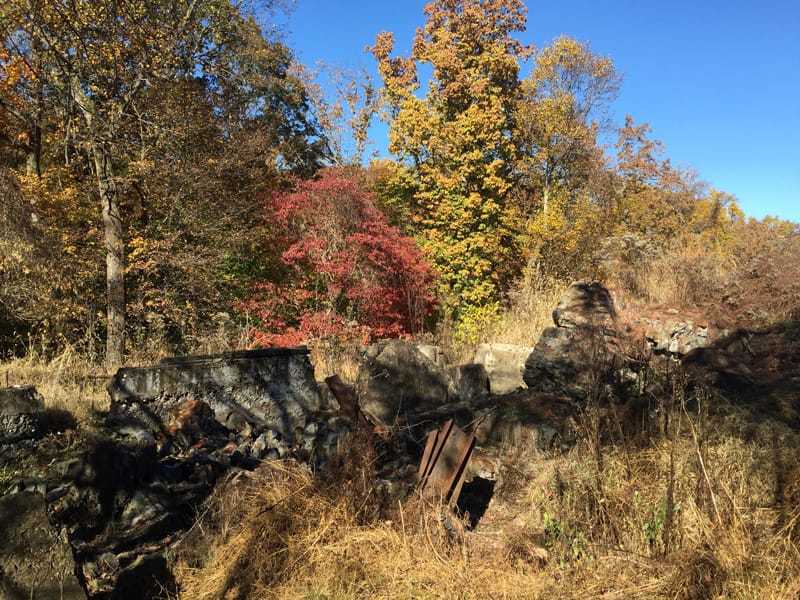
x=273 y=388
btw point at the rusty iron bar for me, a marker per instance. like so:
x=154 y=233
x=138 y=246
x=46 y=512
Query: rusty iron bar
x=444 y=462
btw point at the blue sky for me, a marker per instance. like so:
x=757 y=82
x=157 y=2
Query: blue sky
x=719 y=81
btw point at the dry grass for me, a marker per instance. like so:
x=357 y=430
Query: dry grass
x=530 y=311
x=709 y=509
x=308 y=544
x=67 y=382
x=754 y=282
x=681 y=279
x=336 y=359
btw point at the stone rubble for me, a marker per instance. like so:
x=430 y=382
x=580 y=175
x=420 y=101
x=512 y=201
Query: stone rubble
x=679 y=337
x=504 y=365
x=21 y=414
x=123 y=496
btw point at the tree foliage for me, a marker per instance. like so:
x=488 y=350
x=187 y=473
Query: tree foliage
x=138 y=141
x=157 y=124
x=457 y=138
x=344 y=271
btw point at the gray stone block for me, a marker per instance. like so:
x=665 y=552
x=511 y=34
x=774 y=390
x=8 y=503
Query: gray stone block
x=271 y=388
x=396 y=378
x=504 y=364
x=469 y=382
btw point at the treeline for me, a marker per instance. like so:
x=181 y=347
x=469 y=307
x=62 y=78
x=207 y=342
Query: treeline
x=168 y=168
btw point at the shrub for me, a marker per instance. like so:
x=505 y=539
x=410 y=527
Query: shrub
x=344 y=270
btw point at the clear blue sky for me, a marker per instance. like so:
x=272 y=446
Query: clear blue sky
x=719 y=81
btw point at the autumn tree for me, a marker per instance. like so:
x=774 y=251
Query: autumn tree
x=116 y=79
x=562 y=110
x=343 y=271
x=346 y=112
x=657 y=200
x=457 y=140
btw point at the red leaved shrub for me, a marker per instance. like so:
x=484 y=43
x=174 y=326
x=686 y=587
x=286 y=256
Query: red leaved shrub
x=345 y=271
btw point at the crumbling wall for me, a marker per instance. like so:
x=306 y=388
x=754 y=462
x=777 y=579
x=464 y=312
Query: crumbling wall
x=272 y=388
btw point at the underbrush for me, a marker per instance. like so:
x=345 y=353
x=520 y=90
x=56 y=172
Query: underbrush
x=752 y=281
x=282 y=536
x=530 y=311
x=690 y=498
x=68 y=381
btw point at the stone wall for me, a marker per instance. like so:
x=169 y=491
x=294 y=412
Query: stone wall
x=260 y=389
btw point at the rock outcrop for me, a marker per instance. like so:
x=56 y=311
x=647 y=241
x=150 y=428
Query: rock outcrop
x=677 y=337
x=585 y=304
x=122 y=495
x=565 y=355
x=526 y=421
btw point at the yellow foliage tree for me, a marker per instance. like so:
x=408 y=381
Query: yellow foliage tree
x=561 y=111
x=457 y=140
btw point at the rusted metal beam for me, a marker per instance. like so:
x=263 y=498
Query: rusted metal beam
x=444 y=463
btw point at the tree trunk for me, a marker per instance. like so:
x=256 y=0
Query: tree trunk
x=33 y=162
x=546 y=197
x=115 y=258
x=546 y=188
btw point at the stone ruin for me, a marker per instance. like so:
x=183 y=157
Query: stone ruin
x=106 y=505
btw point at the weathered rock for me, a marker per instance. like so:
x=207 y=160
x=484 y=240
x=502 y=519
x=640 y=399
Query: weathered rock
x=271 y=388
x=504 y=365
x=35 y=558
x=678 y=338
x=563 y=359
x=269 y=444
x=396 y=378
x=585 y=304
x=468 y=382
x=21 y=414
x=434 y=353
x=344 y=396
x=121 y=506
x=127 y=492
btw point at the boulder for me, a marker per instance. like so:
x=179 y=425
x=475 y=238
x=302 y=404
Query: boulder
x=21 y=414
x=432 y=352
x=563 y=359
x=567 y=356
x=395 y=378
x=504 y=365
x=504 y=430
x=35 y=558
x=260 y=389
x=585 y=304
